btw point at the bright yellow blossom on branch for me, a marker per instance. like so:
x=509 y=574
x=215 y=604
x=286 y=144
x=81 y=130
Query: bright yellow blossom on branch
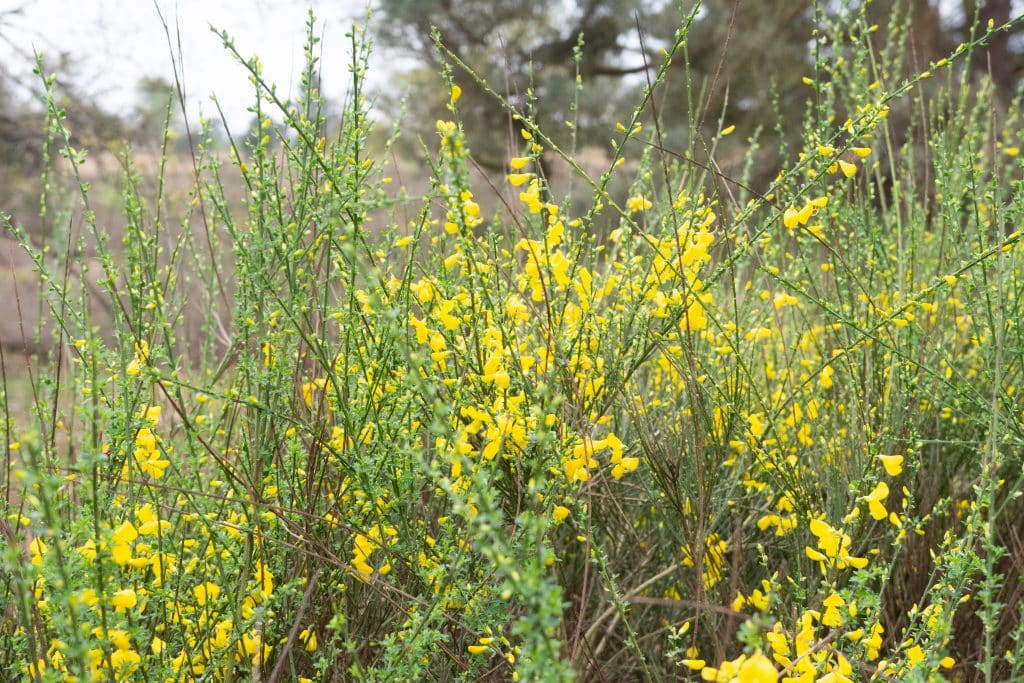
x=638 y=203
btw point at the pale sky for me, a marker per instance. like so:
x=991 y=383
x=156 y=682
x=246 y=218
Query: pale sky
x=113 y=43
x=116 y=42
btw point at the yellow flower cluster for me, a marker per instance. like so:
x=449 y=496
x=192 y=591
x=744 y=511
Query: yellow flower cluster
x=147 y=456
x=144 y=580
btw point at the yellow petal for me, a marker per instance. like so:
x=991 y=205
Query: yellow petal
x=893 y=464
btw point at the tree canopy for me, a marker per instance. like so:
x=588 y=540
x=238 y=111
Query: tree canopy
x=746 y=59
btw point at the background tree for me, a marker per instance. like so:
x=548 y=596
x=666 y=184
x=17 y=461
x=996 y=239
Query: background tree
x=746 y=60
x=514 y=44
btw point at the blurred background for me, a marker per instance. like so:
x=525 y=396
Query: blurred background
x=121 y=65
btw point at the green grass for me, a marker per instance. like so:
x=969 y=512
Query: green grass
x=700 y=431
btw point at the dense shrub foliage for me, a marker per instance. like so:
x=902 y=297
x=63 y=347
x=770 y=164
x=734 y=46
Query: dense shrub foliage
x=698 y=431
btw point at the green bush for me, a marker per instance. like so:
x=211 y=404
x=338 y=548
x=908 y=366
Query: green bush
x=746 y=436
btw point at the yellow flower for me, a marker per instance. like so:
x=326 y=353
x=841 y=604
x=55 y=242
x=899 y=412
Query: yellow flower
x=151 y=415
x=125 y=534
x=849 y=170
x=37 y=548
x=124 y=599
x=825 y=378
x=875 y=501
x=638 y=203
x=87 y=550
x=874 y=642
x=155 y=467
x=35 y=671
x=89 y=597
x=794 y=217
x=915 y=655
x=206 y=591
x=784 y=299
x=125 y=661
x=832 y=617
x=893 y=464
x=758 y=669
x=560 y=513
x=834 y=545
x=531 y=197
x=625 y=465
x=308 y=636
